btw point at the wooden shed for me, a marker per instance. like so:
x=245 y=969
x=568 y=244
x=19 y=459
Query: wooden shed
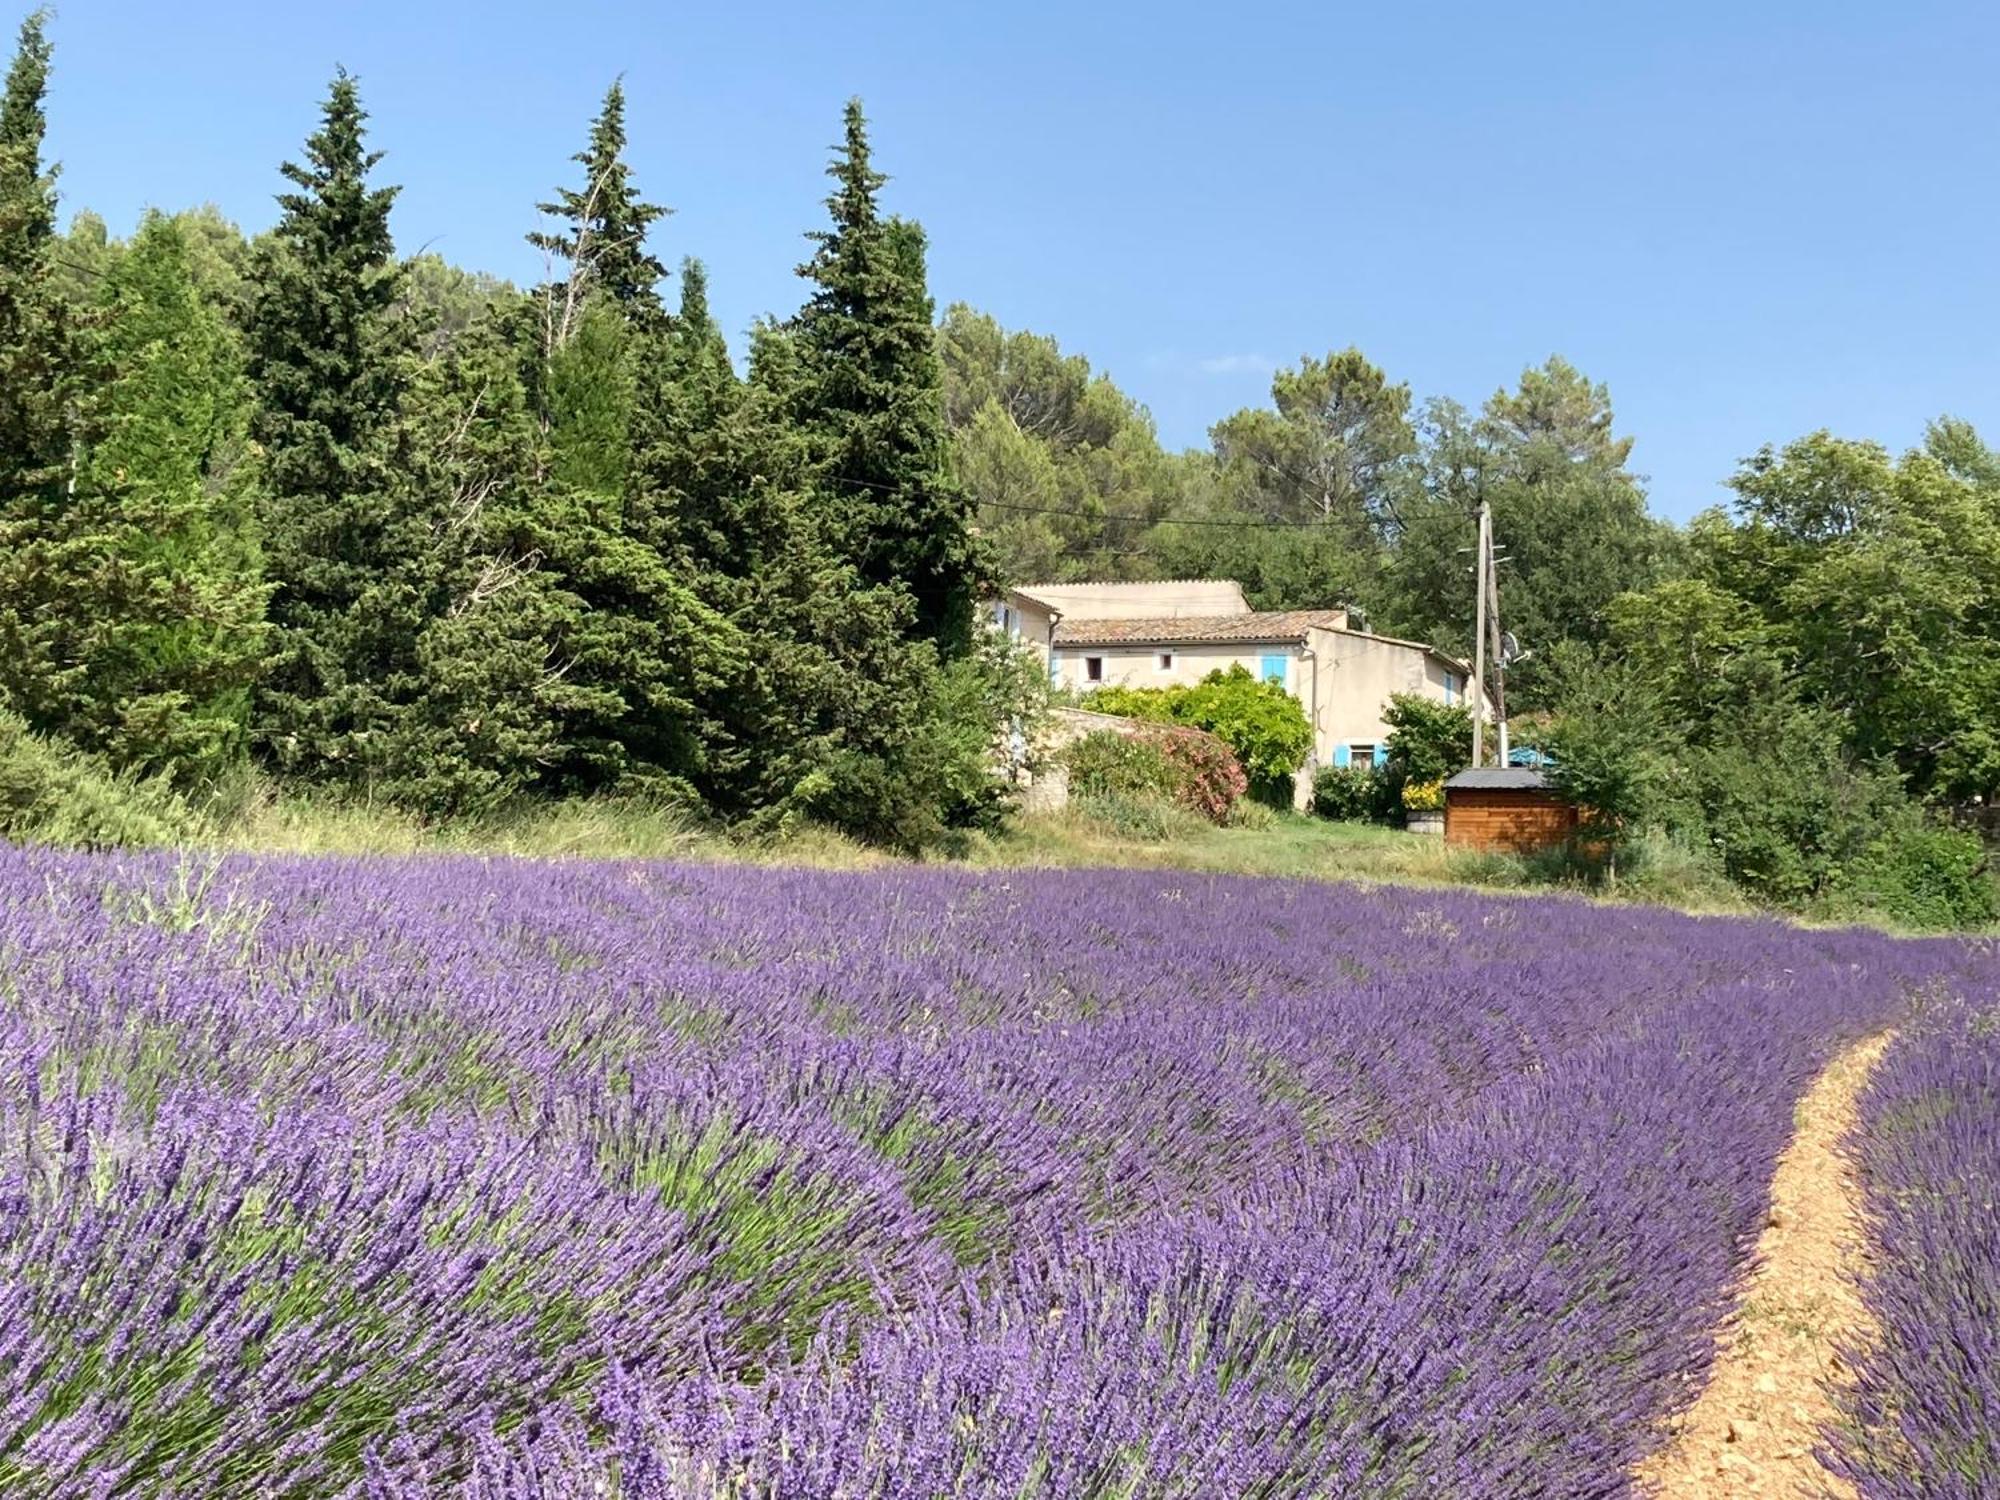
x=1510 y=808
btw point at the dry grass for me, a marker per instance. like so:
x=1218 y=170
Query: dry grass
x=1752 y=1430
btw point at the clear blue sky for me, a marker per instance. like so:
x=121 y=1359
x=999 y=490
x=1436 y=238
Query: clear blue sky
x=1750 y=219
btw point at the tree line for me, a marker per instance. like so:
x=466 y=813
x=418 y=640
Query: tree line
x=1795 y=689
x=387 y=528
x=403 y=532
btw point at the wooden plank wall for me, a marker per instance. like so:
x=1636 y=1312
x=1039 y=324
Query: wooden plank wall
x=1519 y=822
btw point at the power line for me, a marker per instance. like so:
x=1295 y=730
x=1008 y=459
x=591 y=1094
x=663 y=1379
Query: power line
x=1078 y=515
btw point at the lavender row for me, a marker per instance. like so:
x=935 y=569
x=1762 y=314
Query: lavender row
x=1923 y=1421
x=455 y=1176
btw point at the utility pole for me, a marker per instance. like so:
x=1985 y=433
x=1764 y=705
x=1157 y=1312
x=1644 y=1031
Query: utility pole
x=1499 y=656
x=1480 y=569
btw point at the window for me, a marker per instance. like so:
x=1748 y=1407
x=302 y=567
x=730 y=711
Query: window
x=1093 y=668
x=1166 y=661
x=1451 y=687
x=1364 y=755
x=1272 y=669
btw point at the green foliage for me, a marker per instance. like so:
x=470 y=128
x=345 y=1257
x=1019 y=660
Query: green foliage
x=326 y=368
x=42 y=378
x=1920 y=873
x=603 y=226
x=1149 y=820
x=1878 y=582
x=50 y=794
x=1336 y=449
x=168 y=600
x=868 y=393
x=1106 y=762
x=1262 y=723
x=1051 y=454
x=1604 y=741
x=1347 y=794
x=1428 y=740
x=1189 y=767
x=925 y=777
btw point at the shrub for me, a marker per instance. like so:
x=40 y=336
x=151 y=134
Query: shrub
x=1428 y=740
x=1106 y=763
x=1918 y=872
x=1188 y=767
x=1153 y=820
x=55 y=794
x=1250 y=815
x=1210 y=779
x=1263 y=724
x=1346 y=794
x=1423 y=796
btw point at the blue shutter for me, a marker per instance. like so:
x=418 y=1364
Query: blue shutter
x=1342 y=756
x=1381 y=755
x=1272 y=669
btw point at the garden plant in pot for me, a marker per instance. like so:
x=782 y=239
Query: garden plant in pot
x=1423 y=806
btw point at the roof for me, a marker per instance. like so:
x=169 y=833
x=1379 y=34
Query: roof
x=1262 y=625
x=1499 y=779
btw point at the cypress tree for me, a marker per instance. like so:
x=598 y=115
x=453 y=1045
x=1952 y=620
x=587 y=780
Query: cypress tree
x=43 y=673
x=871 y=396
x=486 y=718
x=325 y=361
x=605 y=223
x=175 y=626
x=641 y=648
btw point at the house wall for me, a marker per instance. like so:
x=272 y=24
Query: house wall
x=1139 y=666
x=1024 y=619
x=1164 y=600
x=1358 y=673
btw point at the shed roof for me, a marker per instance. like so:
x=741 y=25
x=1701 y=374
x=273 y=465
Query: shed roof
x=1261 y=625
x=1499 y=779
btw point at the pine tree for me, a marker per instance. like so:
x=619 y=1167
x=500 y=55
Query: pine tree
x=871 y=396
x=325 y=358
x=604 y=226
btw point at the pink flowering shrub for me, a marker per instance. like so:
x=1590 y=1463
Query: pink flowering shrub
x=1188 y=767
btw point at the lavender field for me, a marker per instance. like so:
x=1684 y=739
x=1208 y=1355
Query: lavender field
x=450 y=1177
x=1924 y=1423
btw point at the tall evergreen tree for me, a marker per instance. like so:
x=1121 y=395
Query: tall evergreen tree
x=871 y=398
x=604 y=224
x=176 y=628
x=640 y=647
x=326 y=365
x=48 y=568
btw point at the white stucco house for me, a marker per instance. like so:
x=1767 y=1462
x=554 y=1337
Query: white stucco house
x=1176 y=631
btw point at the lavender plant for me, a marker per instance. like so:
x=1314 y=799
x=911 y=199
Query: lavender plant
x=481 y=1178
x=1923 y=1420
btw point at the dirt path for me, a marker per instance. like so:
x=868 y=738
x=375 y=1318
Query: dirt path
x=1752 y=1429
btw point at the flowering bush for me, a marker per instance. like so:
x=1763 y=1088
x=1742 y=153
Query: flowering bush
x=1423 y=796
x=1263 y=724
x=1188 y=767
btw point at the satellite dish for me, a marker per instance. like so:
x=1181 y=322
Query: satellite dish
x=1510 y=649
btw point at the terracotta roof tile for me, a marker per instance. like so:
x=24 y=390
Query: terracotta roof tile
x=1271 y=625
